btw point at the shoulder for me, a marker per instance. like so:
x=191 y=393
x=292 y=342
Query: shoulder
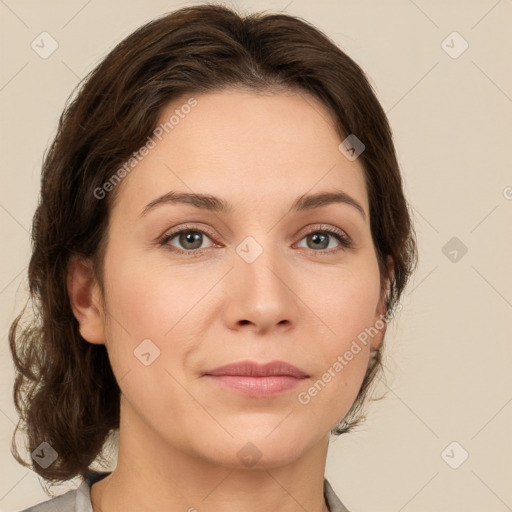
x=76 y=500
x=64 y=503
x=333 y=502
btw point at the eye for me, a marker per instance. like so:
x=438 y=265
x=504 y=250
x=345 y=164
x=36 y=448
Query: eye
x=186 y=240
x=321 y=240
x=189 y=240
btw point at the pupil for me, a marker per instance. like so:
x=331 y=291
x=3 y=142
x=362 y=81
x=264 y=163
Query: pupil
x=191 y=238
x=318 y=238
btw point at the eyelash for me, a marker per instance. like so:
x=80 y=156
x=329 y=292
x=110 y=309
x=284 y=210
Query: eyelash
x=344 y=240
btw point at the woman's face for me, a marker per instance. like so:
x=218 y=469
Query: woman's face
x=259 y=280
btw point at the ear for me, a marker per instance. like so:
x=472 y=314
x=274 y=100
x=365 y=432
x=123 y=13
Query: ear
x=380 y=313
x=85 y=298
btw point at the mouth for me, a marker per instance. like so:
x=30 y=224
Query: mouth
x=257 y=380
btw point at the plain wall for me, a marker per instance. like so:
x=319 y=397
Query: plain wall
x=448 y=356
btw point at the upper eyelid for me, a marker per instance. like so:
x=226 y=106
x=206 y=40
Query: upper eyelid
x=319 y=227
x=197 y=227
x=186 y=227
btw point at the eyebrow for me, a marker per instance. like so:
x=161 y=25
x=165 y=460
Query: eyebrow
x=216 y=204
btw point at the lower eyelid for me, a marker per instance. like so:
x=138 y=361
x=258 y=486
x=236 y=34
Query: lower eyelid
x=167 y=238
x=344 y=241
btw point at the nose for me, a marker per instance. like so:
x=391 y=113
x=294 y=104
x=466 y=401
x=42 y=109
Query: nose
x=260 y=293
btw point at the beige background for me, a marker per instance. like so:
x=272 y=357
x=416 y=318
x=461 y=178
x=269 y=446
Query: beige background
x=449 y=356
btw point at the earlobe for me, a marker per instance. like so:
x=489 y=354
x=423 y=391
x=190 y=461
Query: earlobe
x=380 y=318
x=378 y=338
x=85 y=300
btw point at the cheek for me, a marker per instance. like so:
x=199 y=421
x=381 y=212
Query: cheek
x=346 y=300
x=149 y=300
x=347 y=308
x=150 y=314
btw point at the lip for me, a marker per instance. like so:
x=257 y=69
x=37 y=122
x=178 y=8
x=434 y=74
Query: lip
x=257 y=380
x=254 y=369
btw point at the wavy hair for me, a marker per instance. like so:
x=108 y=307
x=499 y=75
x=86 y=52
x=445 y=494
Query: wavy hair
x=65 y=391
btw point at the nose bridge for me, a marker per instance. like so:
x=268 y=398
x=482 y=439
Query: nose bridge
x=258 y=261
x=261 y=279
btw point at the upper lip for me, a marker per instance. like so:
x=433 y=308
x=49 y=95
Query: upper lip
x=254 y=369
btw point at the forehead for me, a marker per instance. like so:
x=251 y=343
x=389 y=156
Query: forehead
x=266 y=148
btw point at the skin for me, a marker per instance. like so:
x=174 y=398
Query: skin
x=180 y=433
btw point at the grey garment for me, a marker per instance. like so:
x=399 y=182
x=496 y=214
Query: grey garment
x=333 y=502
x=79 y=500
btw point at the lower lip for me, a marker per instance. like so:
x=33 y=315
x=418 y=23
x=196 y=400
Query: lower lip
x=257 y=386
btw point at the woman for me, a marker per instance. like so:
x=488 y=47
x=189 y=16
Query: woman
x=221 y=237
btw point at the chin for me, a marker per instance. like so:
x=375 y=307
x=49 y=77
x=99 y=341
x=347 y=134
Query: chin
x=258 y=450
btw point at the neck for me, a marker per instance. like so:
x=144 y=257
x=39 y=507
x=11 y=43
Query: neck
x=154 y=475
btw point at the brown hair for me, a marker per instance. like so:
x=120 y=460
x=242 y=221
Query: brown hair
x=65 y=391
